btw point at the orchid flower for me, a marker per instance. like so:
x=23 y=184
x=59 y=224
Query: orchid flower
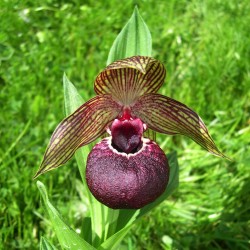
x=126 y=170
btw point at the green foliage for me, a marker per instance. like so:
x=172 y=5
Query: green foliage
x=46 y=245
x=204 y=46
x=67 y=237
x=134 y=39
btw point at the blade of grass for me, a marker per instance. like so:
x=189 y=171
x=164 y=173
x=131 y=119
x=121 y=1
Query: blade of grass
x=19 y=137
x=46 y=245
x=67 y=237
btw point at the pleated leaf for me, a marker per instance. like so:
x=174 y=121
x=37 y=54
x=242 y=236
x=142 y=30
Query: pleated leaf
x=102 y=218
x=67 y=237
x=85 y=125
x=128 y=79
x=134 y=39
x=72 y=99
x=168 y=116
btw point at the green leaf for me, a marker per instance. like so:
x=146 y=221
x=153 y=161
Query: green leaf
x=72 y=99
x=67 y=237
x=112 y=242
x=103 y=219
x=46 y=245
x=134 y=39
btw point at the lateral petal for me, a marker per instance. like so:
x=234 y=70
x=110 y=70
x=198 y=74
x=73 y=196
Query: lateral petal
x=168 y=116
x=83 y=126
x=128 y=79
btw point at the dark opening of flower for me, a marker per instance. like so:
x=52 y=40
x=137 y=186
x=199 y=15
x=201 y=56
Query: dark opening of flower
x=127 y=133
x=126 y=170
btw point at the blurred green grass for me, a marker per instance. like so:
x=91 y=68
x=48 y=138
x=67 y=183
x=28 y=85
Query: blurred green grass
x=205 y=48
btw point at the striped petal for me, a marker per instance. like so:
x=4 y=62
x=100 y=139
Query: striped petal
x=128 y=79
x=168 y=116
x=85 y=125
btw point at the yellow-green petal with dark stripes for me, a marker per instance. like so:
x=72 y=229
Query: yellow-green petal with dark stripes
x=128 y=79
x=83 y=126
x=168 y=116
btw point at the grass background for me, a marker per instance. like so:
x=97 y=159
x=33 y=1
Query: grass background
x=205 y=48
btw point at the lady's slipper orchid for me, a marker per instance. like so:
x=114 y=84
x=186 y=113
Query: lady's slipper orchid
x=126 y=170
